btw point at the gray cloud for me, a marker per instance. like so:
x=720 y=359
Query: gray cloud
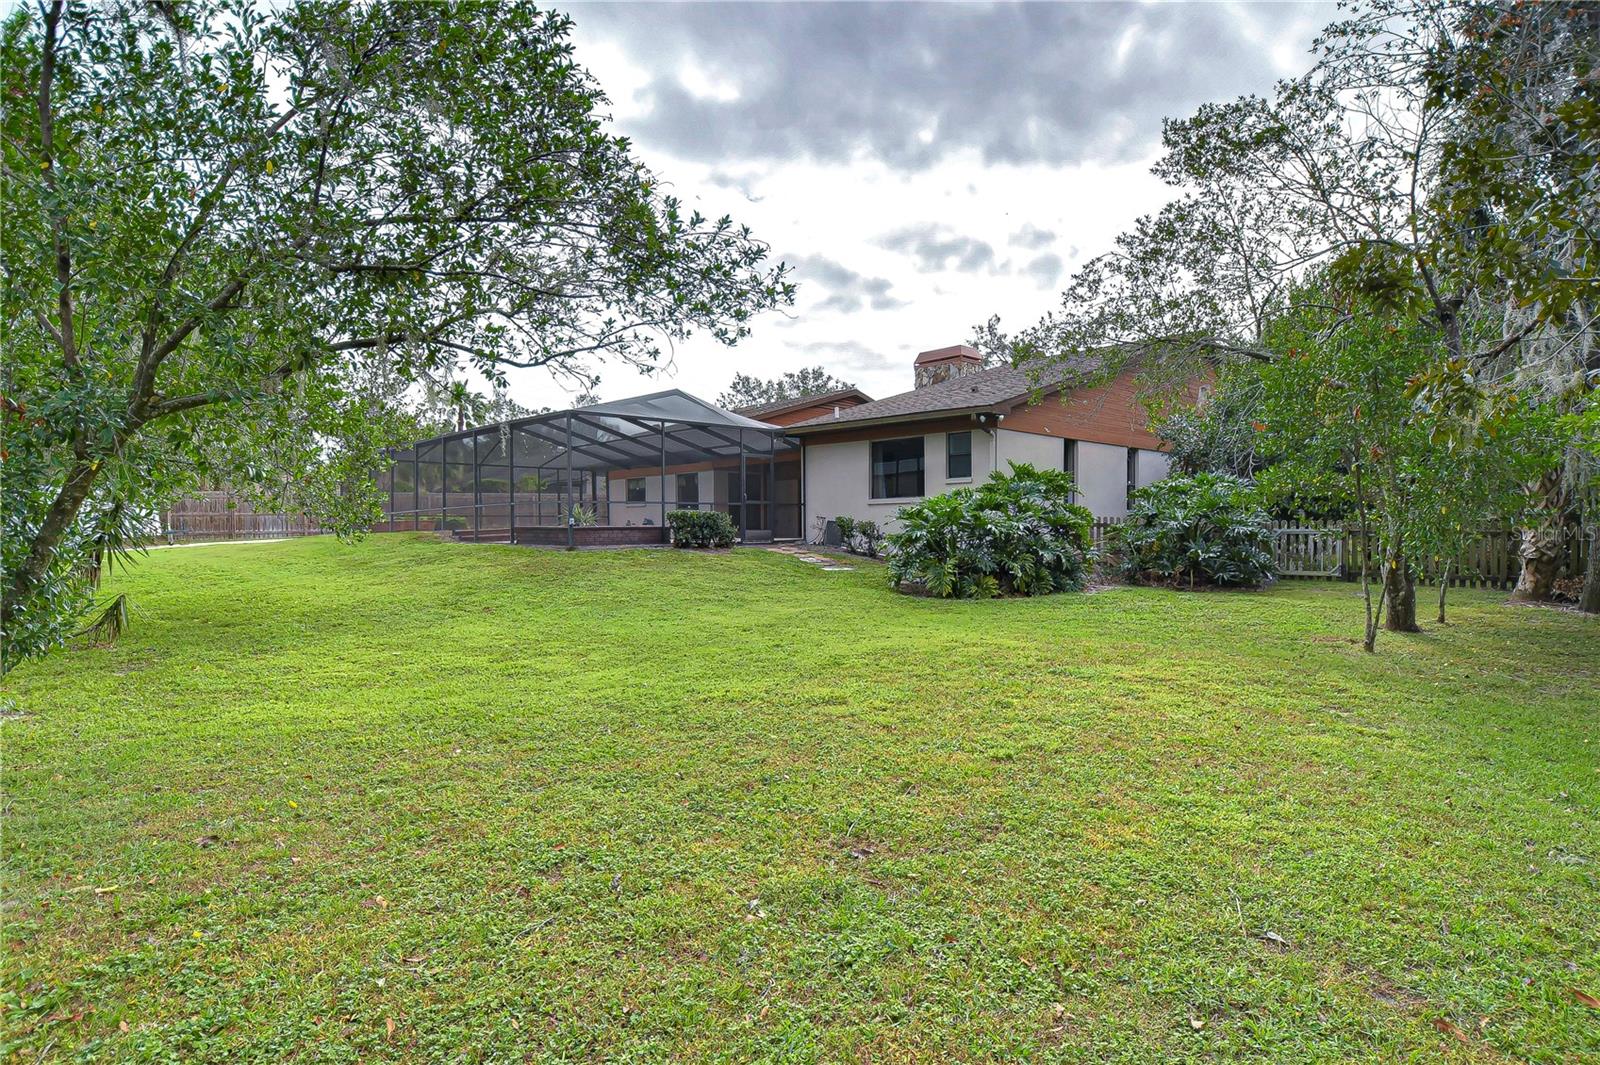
x=909 y=82
x=1045 y=269
x=934 y=248
x=848 y=290
x=851 y=356
x=742 y=185
x=1032 y=237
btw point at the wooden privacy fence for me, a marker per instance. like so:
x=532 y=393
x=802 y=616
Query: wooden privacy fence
x=1492 y=560
x=226 y=516
x=1100 y=530
x=1333 y=552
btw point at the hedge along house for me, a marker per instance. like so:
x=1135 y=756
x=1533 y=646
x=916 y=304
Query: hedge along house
x=606 y=474
x=961 y=422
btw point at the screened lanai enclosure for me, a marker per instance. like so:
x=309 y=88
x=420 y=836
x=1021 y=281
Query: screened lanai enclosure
x=606 y=474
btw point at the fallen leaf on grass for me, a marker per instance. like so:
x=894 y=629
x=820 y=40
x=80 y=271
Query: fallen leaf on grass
x=1586 y=998
x=122 y=1026
x=1449 y=1029
x=1197 y=1023
x=388 y=1022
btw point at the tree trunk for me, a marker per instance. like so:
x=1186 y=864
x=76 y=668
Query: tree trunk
x=1400 y=588
x=1589 y=598
x=26 y=578
x=1444 y=586
x=1541 y=561
x=1369 y=641
x=1541 y=546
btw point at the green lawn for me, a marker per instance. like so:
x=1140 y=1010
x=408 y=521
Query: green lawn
x=426 y=801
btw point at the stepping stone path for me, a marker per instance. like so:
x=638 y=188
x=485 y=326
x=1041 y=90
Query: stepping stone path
x=829 y=565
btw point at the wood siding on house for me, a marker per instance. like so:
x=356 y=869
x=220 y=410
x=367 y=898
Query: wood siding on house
x=889 y=430
x=1107 y=414
x=790 y=417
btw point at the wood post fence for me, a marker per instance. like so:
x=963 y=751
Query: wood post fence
x=1333 y=552
x=226 y=516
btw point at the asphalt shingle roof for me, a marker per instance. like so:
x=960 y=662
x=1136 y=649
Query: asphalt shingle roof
x=997 y=386
x=760 y=409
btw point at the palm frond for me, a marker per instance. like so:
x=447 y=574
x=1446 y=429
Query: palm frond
x=105 y=629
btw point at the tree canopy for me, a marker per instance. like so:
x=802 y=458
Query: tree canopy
x=1436 y=167
x=233 y=232
x=1435 y=156
x=747 y=391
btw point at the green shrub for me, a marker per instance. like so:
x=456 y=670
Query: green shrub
x=1208 y=528
x=1019 y=533
x=701 y=528
x=858 y=536
x=869 y=536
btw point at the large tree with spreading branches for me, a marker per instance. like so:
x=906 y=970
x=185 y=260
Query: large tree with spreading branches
x=1439 y=158
x=230 y=225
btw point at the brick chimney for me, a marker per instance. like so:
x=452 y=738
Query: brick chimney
x=941 y=364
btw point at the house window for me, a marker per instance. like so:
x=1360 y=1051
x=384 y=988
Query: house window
x=897 y=468
x=688 y=490
x=1069 y=462
x=636 y=489
x=1133 y=473
x=958 y=455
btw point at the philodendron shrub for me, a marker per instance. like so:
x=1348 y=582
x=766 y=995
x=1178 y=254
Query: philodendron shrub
x=701 y=528
x=1019 y=533
x=1208 y=529
x=858 y=536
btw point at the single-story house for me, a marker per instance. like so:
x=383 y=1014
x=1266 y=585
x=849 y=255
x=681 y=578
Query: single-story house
x=609 y=473
x=963 y=420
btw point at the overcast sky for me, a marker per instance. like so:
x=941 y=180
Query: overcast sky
x=921 y=166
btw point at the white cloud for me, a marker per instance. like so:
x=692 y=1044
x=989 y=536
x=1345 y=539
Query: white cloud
x=829 y=189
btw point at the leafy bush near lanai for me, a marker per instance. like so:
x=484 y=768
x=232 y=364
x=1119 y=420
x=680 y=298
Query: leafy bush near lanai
x=1206 y=529
x=858 y=535
x=1019 y=533
x=701 y=528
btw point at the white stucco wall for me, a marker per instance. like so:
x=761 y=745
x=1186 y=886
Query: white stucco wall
x=1103 y=479
x=839 y=478
x=1153 y=466
x=1045 y=452
x=625 y=513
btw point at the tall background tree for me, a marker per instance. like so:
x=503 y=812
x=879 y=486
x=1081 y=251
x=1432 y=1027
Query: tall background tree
x=1439 y=160
x=225 y=222
x=747 y=391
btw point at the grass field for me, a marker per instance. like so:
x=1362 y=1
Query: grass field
x=424 y=801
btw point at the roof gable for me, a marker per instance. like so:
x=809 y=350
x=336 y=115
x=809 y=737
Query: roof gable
x=821 y=399
x=996 y=388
